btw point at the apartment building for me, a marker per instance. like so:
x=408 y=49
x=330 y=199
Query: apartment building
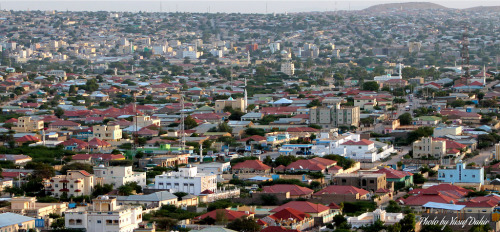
x=335 y=116
x=28 y=206
x=462 y=174
x=104 y=215
x=288 y=68
x=74 y=183
x=106 y=133
x=144 y=121
x=236 y=104
x=429 y=147
x=368 y=181
x=27 y=124
x=188 y=180
x=118 y=175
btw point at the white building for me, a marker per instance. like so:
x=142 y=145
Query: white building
x=104 y=215
x=288 y=68
x=366 y=151
x=193 y=55
x=118 y=176
x=274 y=47
x=187 y=180
x=369 y=218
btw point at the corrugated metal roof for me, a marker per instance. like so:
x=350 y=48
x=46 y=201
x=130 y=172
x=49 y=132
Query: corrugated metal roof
x=7 y=219
x=444 y=206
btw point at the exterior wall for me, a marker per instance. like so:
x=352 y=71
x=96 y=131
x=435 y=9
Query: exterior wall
x=442 y=131
x=288 y=68
x=74 y=184
x=461 y=174
x=26 y=124
x=338 y=198
x=427 y=147
x=118 y=176
x=237 y=104
x=16 y=227
x=144 y=121
x=107 y=133
x=331 y=117
x=187 y=180
x=370 y=182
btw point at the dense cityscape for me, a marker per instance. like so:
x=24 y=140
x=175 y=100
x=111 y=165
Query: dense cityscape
x=381 y=119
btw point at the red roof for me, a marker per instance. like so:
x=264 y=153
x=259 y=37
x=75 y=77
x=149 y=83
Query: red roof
x=287 y=213
x=231 y=215
x=27 y=138
x=73 y=142
x=302 y=129
x=341 y=190
x=422 y=199
x=97 y=156
x=64 y=123
x=393 y=174
x=306 y=165
x=254 y=138
x=363 y=142
x=251 y=164
x=95 y=142
x=207 y=192
x=294 y=190
x=303 y=206
x=12 y=120
x=481 y=204
x=278 y=229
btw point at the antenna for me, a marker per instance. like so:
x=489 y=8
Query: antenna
x=183 y=141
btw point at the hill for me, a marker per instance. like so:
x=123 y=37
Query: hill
x=405 y=6
x=484 y=8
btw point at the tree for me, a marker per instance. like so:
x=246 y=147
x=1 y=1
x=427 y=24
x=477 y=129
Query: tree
x=408 y=223
x=457 y=103
x=371 y=86
x=269 y=199
x=434 y=228
x=189 y=123
x=405 y=119
x=77 y=166
x=224 y=127
x=41 y=170
x=255 y=131
x=102 y=189
x=375 y=227
x=244 y=225
x=59 y=112
x=399 y=100
x=129 y=188
x=393 y=207
x=236 y=115
x=313 y=103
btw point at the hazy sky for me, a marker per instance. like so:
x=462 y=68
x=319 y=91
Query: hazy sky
x=243 y=6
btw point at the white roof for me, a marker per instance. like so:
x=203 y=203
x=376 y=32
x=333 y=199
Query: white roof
x=7 y=219
x=283 y=101
x=436 y=205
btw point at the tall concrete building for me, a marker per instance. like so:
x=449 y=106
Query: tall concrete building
x=288 y=68
x=334 y=116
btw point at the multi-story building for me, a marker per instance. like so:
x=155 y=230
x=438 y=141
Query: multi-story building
x=106 y=133
x=462 y=174
x=144 y=121
x=104 y=215
x=238 y=104
x=187 y=180
x=365 y=102
x=369 y=181
x=28 y=206
x=16 y=222
x=334 y=116
x=27 y=124
x=288 y=68
x=118 y=175
x=74 y=183
x=428 y=147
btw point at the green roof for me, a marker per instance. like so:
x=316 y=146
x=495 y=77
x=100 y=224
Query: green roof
x=427 y=118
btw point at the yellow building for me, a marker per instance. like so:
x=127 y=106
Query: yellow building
x=427 y=147
x=144 y=121
x=28 y=206
x=27 y=124
x=238 y=104
x=106 y=133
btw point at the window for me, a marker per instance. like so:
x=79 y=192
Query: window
x=371 y=181
x=109 y=222
x=98 y=221
x=57 y=185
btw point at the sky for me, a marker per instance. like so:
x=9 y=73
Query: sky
x=234 y=6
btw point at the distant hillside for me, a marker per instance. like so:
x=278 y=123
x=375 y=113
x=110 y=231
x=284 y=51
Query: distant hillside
x=404 y=6
x=484 y=8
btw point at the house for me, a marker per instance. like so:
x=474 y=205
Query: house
x=426 y=121
x=429 y=147
x=466 y=117
x=462 y=174
x=28 y=206
x=97 y=145
x=442 y=193
x=187 y=180
x=26 y=140
x=365 y=102
x=16 y=159
x=293 y=191
x=251 y=166
x=365 y=150
x=290 y=218
x=74 y=183
x=252 y=116
x=15 y=222
x=61 y=124
x=341 y=193
x=153 y=200
x=315 y=210
x=230 y=215
x=118 y=175
x=106 y=132
x=316 y=164
x=75 y=144
x=401 y=178
x=368 y=181
x=369 y=218
x=96 y=158
x=104 y=215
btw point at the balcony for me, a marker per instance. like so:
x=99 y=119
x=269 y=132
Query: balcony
x=78 y=190
x=78 y=181
x=64 y=181
x=64 y=190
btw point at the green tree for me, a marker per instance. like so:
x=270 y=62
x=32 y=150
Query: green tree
x=129 y=188
x=393 y=207
x=236 y=115
x=244 y=225
x=375 y=227
x=269 y=199
x=59 y=112
x=408 y=223
x=255 y=131
x=102 y=190
x=405 y=119
x=189 y=123
x=77 y=166
x=371 y=86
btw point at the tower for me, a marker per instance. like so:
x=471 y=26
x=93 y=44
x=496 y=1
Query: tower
x=465 y=53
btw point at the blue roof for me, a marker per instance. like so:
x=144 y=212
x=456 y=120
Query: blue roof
x=436 y=205
x=297 y=146
x=7 y=219
x=259 y=178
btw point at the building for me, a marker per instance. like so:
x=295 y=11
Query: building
x=118 y=176
x=187 y=180
x=368 y=181
x=365 y=102
x=290 y=218
x=426 y=121
x=104 y=215
x=28 y=206
x=238 y=104
x=428 y=147
x=251 y=166
x=401 y=178
x=462 y=174
x=442 y=131
x=369 y=218
x=497 y=151
x=27 y=124
x=288 y=68
x=323 y=213
x=106 y=133
x=15 y=222
x=341 y=193
x=144 y=121
x=74 y=183
x=334 y=116
x=152 y=200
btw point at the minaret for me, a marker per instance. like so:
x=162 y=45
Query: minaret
x=400 y=73
x=248 y=58
x=246 y=96
x=484 y=74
